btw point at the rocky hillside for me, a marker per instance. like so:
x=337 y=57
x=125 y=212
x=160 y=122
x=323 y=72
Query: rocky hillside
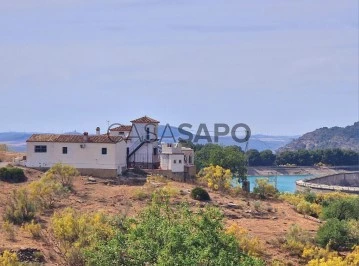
x=327 y=138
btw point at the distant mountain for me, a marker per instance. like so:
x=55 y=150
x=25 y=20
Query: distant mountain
x=327 y=138
x=17 y=140
x=259 y=142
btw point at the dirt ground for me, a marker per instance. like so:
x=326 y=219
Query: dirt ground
x=271 y=222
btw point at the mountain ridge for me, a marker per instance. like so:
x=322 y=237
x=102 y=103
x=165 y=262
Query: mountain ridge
x=327 y=138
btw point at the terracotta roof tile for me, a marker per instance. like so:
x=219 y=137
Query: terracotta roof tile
x=145 y=119
x=71 y=138
x=121 y=128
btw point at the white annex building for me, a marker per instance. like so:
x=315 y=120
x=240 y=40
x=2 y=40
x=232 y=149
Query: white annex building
x=108 y=155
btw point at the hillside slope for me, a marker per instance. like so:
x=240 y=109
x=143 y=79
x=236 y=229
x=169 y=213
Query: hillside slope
x=327 y=138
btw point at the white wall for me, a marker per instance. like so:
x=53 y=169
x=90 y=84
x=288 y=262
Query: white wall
x=89 y=157
x=141 y=131
x=145 y=153
x=171 y=148
x=117 y=133
x=176 y=167
x=164 y=161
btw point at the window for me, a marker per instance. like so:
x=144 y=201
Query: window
x=40 y=148
x=190 y=159
x=104 y=150
x=179 y=161
x=174 y=161
x=64 y=150
x=121 y=133
x=155 y=151
x=147 y=133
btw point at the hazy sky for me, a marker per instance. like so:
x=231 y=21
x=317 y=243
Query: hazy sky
x=283 y=67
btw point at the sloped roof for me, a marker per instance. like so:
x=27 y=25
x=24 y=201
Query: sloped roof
x=121 y=128
x=145 y=119
x=72 y=138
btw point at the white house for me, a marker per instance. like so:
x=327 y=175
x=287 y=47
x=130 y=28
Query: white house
x=108 y=155
x=176 y=158
x=141 y=142
x=90 y=154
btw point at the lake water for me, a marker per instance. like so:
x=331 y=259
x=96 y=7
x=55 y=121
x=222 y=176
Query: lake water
x=285 y=183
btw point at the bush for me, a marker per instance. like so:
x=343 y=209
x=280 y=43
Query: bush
x=335 y=234
x=157 y=179
x=170 y=190
x=247 y=243
x=9 y=259
x=44 y=191
x=264 y=189
x=296 y=239
x=72 y=228
x=199 y=193
x=75 y=257
x=12 y=175
x=33 y=228
x=314 y=253
x=216 y=177
x=342 y=209
x=310 y=196
x=64 y=173
x=9 y=230
x=162 y=235
x=325 y=257
x=19 y=208
x=308 y=208
x=141 y=194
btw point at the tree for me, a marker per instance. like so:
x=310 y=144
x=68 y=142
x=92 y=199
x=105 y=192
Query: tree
x=162 y=235
x=229 y=157
x=254 y=158
x=267 y=158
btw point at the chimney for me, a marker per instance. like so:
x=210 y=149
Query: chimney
x=86 y=136
x=98 y=131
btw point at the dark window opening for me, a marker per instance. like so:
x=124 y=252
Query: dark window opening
x=128 y=151
x=147 y=133
x=40 y=148
x=180 y=161
x=104 y=150
x=155 y=151
x=64 y=150
x=190 y=159
x=174 y=161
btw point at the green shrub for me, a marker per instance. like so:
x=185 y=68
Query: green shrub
x=33 y=228
x=19 y=208
x=166 y=235
x=264 y=189
x=335 y=234
x=310 y=196
x=12 y=175
x=296 y=239
x=342 y=209
x=64 y=173
x=9 y=230
x=199 y=193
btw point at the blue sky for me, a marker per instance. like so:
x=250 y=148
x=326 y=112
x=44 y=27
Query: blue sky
x=283 y=67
